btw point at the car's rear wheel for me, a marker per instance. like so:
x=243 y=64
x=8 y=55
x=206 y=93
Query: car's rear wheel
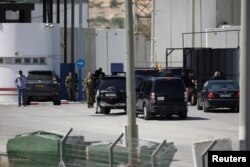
x=183 y=115
x=56 y=101
x=146 y=113
x=106 y=110
x=199 y=107
x=28 y=101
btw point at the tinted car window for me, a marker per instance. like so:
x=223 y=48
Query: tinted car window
x=119 y=83
x=222 y=85
x=45 y=75
x=175 y=85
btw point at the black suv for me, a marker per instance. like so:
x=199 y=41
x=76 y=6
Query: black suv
x=43 y=86
x=164 y=96
x=111 y=94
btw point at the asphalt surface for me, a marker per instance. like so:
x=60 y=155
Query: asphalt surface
x=98 y=127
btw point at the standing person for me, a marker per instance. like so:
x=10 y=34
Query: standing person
x=20 y=83
x=70 y=85
x=184 y=76
x=89 y=88
x=216 y=76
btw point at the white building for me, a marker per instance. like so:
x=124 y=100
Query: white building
x=33 y=46
x=171 y=18
x=26 y=47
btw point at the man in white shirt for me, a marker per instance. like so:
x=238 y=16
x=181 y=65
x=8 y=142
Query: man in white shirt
x=20 y=83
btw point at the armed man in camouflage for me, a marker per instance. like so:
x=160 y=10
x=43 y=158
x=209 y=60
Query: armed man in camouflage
x=70 y=84
x=89 y=88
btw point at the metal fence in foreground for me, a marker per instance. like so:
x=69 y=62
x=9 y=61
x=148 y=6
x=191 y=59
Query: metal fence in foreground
x=39 y=150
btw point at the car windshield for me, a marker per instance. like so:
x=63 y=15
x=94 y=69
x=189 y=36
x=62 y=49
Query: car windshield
x=173 y=87
x=119 y=83
x=38 y=75
x=222 y=85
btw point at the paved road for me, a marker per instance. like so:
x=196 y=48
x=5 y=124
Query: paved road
x=199 y=126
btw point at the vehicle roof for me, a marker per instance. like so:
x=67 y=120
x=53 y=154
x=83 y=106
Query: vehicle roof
x=113 y=77
x=168 y=78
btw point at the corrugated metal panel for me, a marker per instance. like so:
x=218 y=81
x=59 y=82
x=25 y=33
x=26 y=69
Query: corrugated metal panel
x=206 y=61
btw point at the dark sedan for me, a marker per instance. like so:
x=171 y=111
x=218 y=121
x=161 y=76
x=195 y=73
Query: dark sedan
x=219 y=94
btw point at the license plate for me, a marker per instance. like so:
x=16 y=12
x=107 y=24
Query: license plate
x=111 y=95
x=225 y=95
x=39 y=86
x=160 y=98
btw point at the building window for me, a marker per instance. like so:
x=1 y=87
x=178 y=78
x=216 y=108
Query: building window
x=27 y=60
x=35 y=60
x=42 y=61
x=18 y=60
x=1 y=60
x=12 y=15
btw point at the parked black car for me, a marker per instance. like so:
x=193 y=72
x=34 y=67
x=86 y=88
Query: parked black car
x=111 y=94
x=164 y=96
x=43 y=86
x=218 y=94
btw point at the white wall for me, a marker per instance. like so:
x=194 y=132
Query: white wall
x=26 y=40
x=110 y=48
x=142 y=51
x=174 y=17
x=223 y=39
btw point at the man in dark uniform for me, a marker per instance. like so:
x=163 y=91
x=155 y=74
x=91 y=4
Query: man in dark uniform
x=89 y=85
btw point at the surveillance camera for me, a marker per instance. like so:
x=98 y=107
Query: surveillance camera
x=46 y=24
x=51 y=26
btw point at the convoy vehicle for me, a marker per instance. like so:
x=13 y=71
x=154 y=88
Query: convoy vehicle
x=164 y=96
x=219 y=94
x=177 y=72
x=111 y=94
x=43 y=85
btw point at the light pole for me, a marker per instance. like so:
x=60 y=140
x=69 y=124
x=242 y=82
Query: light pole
x=244 y=131
x=132 y=132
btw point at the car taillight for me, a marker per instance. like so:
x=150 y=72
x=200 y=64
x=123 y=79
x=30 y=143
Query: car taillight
x=210 y=95
x=238 y=95
x=152 y=96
